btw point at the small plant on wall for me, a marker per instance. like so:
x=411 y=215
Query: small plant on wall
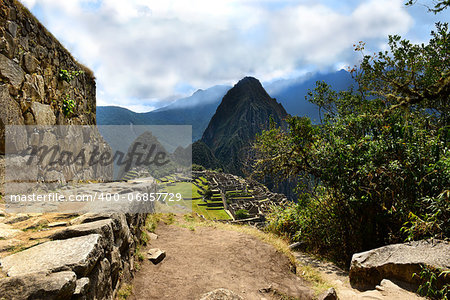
x=67 y=76
x=68 y=106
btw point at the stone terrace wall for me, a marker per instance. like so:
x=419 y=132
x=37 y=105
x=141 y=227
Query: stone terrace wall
x=38 y=77
x=31 y=61
x=87 y=260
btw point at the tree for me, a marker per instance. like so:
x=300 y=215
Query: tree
x=379 y=158
x=438 y=5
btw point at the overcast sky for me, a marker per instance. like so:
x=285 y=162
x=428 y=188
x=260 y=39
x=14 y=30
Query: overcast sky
x=146 y=53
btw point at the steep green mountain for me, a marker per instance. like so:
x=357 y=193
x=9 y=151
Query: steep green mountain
x=203 y=156
x=245 y=111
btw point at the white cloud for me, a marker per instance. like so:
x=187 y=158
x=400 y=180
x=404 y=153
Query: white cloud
x=144 y=49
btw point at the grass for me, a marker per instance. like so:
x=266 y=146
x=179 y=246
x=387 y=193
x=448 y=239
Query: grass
x=126 y=290
x=189 y=190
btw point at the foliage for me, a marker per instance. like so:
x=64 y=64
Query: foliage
x=208 y=193
x=439 y=5
x=433 y=285
x=378 y=160
x=242 y=214
x=196 y=167
x=67 y=76
x=125 y=291
x=68 y=106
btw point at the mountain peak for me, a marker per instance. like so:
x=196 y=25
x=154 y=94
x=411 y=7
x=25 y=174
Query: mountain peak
x=244 y=112
x=247 y=82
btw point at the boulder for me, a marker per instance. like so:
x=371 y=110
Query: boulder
x=78 y=254
x=398 y=262
x=156 y=255
x=221 y=294
x=59 y=285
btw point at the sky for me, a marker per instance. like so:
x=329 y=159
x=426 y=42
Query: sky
x=147 y=53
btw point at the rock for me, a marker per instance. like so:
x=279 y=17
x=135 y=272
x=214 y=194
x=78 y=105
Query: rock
x=10 y=244
x=78 y=254
x=12 y=28
x=57 y=224
x=152 y=236
x=296 y=245
x=59 y=285
x=156 y=255
x=101 y=285
x=398 y=261
x=12 y=71
x=43 y=114
x=10 y=114
x=31 y=63
x=33 y=89
x=16 y=218
x=89 y=217
x=82 y=286
x=102 y=227
x=6 y=231
x=330 y=294
x=221 y=294
x=35 y=224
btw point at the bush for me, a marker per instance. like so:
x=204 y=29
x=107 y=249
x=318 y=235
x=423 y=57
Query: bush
x=242 y=214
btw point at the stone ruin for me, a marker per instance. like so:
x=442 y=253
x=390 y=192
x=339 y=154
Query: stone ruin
x=237 y=193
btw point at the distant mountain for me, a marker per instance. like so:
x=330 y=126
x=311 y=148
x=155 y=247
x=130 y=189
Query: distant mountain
x=291 y=93
x=198 y=109
x=195 y=110
x=246 y=110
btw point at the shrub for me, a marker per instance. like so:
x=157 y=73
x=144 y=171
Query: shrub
x=242 y=214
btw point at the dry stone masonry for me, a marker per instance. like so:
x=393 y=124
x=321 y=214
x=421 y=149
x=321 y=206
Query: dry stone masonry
x=84 y=261
x=39 y=78
x=54 y=256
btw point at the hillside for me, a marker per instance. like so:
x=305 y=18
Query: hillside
x=245 y=111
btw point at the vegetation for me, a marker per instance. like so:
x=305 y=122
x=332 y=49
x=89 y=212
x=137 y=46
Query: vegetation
x=242 y=214
x=126 y=290
x=68 y=106
x=376 y=168
x=68 y=76
x=432 y=286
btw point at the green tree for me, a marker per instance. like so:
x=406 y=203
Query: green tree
x=379 y=157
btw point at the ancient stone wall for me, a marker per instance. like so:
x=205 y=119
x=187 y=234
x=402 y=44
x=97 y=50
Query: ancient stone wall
x=38 y=76
x=40 y=82
x=87 y=260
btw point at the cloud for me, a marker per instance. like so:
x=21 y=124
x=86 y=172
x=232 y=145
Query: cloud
x=142 y=50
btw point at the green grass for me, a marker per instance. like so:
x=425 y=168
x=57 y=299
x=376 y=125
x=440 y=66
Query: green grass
x=126 y=290
x=189 y=190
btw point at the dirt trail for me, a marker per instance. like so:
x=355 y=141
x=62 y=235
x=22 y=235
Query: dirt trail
x=201 y=260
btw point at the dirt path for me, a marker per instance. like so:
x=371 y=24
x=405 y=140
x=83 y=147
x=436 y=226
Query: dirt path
x=201 y=260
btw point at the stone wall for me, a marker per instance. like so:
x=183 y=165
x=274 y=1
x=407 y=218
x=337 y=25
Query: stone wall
x=87 y=260
x=34 y=84
x=39 y=78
